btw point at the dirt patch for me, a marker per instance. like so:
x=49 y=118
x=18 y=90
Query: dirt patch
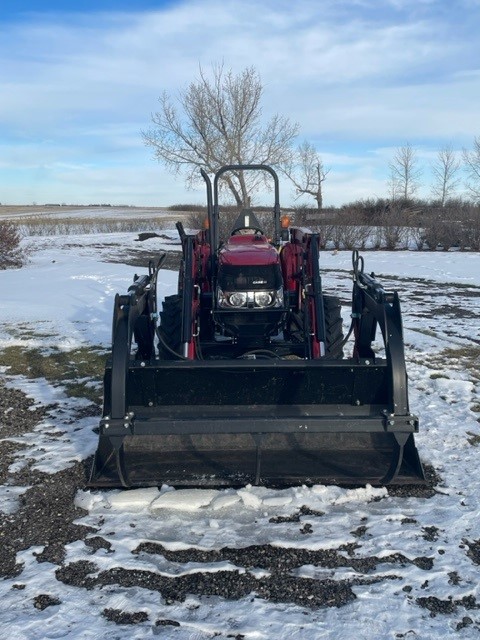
x=473 y=550
x=430 y=533
x=231 y=585
x=17 y=416
x=46 y=512
x=124 y=617
x=43 y=601
x=280 y=560
x=295 y=517
x=448 y=606
x=142 y=258
x=45 y=518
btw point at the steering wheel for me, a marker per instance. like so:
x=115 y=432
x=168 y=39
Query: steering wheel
x=256 y=231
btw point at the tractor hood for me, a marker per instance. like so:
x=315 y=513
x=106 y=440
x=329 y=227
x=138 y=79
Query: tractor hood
x=251 y=249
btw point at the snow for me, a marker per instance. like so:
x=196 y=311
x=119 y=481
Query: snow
x=92 y=213
x=9 y=497
x=183 y=500
x=64 y=299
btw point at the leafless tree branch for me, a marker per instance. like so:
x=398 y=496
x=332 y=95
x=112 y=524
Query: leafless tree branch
x=307 y=172
x=404 y=173
x=445 y=170
x=472 y=166
x=216 y=121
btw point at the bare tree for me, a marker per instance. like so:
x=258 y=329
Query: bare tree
x=404 y=173
x=307 y=172
x=217 y=121
x=445 y=170
x=472 y=166
x=393 y=186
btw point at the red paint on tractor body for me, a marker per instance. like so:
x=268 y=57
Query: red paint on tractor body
x=248 y=250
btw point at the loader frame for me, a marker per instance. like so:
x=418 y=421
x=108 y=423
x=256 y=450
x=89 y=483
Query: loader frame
x=189 y=422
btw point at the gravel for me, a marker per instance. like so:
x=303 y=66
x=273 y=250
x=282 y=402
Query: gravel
x=46 y=517
x=46 y=512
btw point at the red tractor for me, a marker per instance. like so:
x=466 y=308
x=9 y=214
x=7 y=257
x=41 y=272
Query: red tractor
x=254 y=297
x=245 y=379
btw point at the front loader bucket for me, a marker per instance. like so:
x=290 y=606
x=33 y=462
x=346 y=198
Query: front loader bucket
x=272 y=422
x=227 y=421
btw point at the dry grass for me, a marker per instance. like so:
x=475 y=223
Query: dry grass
x=79 y=372
x=41 y=226
x=55 y=221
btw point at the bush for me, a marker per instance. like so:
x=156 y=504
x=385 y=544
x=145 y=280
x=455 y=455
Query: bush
x=375 y=223
x=366 y=211
x=45 y=226
x=392 y=229
x=471 y=227
x=11 y=253
x=306 y=216
x=456 y=225
x=189 y=208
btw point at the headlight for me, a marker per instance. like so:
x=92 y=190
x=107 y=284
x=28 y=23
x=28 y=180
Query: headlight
x=237 y=299
x=250 y=299
x=263 y=298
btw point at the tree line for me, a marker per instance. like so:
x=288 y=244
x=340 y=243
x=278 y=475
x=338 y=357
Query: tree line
x=447 y=169
x=218 y=120
x=406 y=224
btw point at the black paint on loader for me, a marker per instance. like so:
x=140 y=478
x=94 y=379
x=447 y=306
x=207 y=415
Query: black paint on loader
x=245 y=380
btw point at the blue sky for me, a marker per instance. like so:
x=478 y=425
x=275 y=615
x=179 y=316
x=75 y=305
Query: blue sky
x=79 y=81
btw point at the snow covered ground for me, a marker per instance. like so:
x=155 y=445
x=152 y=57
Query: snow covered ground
x=94 y=213
x=251 y=563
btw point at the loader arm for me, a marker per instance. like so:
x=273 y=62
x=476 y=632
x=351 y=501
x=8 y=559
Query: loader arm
x=138 y=306
x=251 y=379
x=373 y=306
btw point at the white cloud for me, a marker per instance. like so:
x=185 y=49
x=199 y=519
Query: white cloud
x=370 y=73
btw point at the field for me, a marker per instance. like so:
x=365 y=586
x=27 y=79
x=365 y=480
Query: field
x=254 y=563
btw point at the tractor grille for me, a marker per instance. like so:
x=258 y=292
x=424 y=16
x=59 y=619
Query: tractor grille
x=250 y=278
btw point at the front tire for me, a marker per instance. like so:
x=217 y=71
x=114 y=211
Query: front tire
x=333 y=327
x=170 y=329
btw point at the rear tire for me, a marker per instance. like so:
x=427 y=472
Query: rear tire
x=333 y=327
x=170 y=329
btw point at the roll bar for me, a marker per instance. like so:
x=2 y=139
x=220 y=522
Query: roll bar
x=212 y=203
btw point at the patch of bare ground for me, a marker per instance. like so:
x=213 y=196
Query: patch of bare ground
x=283 y=560
x=281 y=585
x=448 y=606
x=231 y=585
x=17 y=416
x=473 y=550
x=46 y=512
x=142 y=258
x=46 y=518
